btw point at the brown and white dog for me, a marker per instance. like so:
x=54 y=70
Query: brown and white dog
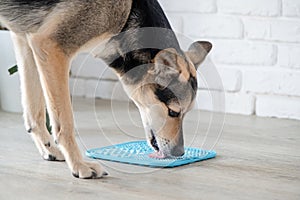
x=133 y=37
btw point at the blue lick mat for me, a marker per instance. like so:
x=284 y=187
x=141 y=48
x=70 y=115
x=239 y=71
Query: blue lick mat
x=137 y=153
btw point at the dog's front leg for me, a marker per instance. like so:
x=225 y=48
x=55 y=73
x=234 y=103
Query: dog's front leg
x=53 y=69
x=32 y=100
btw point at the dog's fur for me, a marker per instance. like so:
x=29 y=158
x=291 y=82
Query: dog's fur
x=162 y=82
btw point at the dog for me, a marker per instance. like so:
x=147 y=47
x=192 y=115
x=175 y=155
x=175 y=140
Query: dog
x=161 y=81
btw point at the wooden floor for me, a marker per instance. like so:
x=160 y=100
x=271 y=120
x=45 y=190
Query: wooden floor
x=258 y=158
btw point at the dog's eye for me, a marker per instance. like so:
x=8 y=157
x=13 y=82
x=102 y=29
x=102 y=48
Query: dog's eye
x=172 y=113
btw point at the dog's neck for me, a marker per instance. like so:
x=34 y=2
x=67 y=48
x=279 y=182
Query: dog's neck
x=146 y=32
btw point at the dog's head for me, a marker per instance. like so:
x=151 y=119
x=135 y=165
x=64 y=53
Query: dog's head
x=168 y=95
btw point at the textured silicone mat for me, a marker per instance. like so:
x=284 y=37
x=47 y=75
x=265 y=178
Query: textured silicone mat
x=137 y=153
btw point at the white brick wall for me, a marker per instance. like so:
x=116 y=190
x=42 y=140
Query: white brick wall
x=250 y=7
x=187 y=6
x=236 y=103
x=278 y=106
x=280 y=30
x=230 y=79
x=241 y=52
x=291 y=8
x=269 y=81
x=288 y=56
x=256 y=56
x=212 y=26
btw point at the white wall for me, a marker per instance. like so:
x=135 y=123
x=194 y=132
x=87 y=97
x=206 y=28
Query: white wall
x=256 y=52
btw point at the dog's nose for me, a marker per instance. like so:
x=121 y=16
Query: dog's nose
x=177 y=151
x=178 y=148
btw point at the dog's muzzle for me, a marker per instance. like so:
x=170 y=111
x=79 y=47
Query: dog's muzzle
x=170 y=151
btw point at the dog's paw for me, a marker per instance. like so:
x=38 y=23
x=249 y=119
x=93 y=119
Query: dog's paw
x=52 y=153
x=54 y=157
x=88 y=170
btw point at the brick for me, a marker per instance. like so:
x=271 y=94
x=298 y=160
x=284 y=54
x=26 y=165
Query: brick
x=289 y=56
x=77 y=87
x=278 y=106
x=285 y=30
x=118 y=93
x=210 y=100
x=231 y=79
x=105 y=90
x=203 y=6
x=99 y=88
x=216 y=101
x=243 y=52
x=211 y=78
x=85 y=65
x=257 y=29
x=239 y=103
x=282 y=30
x=291 y=8
x=176 y=22
x=212 y=26
x=281 y=82
x=250 y=7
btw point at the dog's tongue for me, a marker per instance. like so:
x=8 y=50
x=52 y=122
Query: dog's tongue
x=157 y=155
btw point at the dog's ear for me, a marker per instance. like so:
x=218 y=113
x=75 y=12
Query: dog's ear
x=198 y=51
x=165 y=66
